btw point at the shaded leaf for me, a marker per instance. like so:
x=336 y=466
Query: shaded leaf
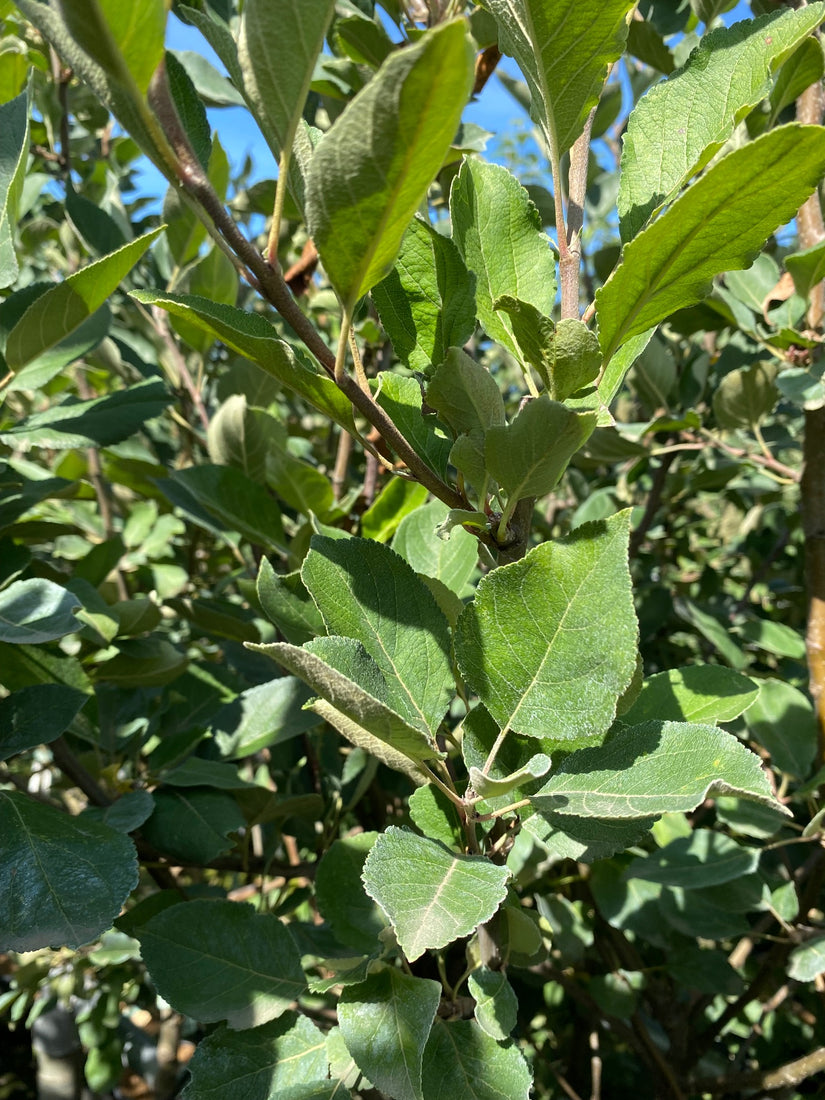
x=233 y=502
x=704 y=858
x=464 y=394
x=37 y=715
x=63 y=308
x=452 y=560
x=697 y=693
x=496 y=1002
x=385 y=1022
x=36 y=610
x=98 y=422
x=66 y=878
x=247 y=965
x=278 y=45
x=528 y=456
x=462 y=1062
x=284 y=1058
x=251 y=335
x=354 y=918
x=565 y=355
x=14 y=151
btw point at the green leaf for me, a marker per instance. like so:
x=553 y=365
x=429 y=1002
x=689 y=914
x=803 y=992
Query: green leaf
x=285 y=1058
x=36 y=610
x=719 y=224
x=698 y=693
x=251 y=335
x=61 y=310
x=126 y=813
x=364 y=591
x=97 y=229
x=431 y=895
x=549 y=642
x=496 y=1003
x=193 y=825
x=385 y=1023
x=783 y=721
x=807 y=961
x=213 y=88
x=488 y=787
x=452 y=560
x=377 y=161
x=616 y=368
x=125 y=40
x=287 y=603
x=42 y=369
x=248 y=969
x=14 y=152
x=680 y=124
x=427 y=302
x=342 y=672
x=190 y=109
x=500 y=237
x=123 y=99
x=231 y=499
x=804 y=67
x=586 y=839
x=397 y=499
x=564 y=49
x=402 y=399
x=464 y=394
x=237 y=436
x=261 y=717
x=435 y=816
x=354 y=918
x=528 y=456
x=278 y=45
x=704 y=858
x=66 y=878
x=143 y=662
x=745 y=396
x=566 y=356
x=98 y=422
x=655 y=768
x=807 y=268
x=463 y=1062
x=37 y=715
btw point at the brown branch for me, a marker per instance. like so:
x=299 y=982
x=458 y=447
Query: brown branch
x=161 y=327
x=299 y=277
x=570 y=258
x=810 y=108
x=486 y=63
x=792 y=1073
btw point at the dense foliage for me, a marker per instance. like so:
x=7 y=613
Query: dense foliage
x=412 y=577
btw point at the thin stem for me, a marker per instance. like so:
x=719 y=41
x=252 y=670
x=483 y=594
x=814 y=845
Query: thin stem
x=342 y=456
x=453 y=795
x=360 y=373
x=494 y=751
x=503 y=812
x=341 y=355
x=570 y=258
x=278 y=211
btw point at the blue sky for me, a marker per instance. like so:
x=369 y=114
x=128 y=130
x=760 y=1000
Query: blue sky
x=495 y=110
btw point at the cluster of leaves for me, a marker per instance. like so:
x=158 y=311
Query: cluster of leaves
x=475 y=758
